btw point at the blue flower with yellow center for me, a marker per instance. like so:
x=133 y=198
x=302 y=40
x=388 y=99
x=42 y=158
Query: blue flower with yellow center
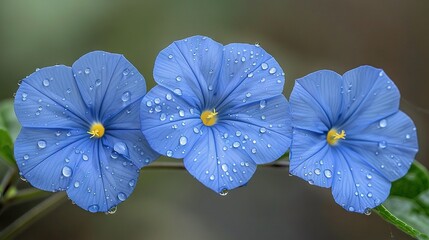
x=81 y=130
x=219 y=107
x=348 y=134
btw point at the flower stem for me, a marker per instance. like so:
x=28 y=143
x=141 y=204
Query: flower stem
x=179 y=165
x=31 y=216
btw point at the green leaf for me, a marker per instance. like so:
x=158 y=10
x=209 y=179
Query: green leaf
x=408 y=204
x=6 y=148
x=8 y=120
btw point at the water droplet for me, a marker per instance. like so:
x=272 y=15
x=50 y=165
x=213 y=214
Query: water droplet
x=243 y=59
x=254 y=150
x=122 y=196
x=328 y=173
x=367 y=211
x=317 y=171
x=126 y=72
x=369 y=176
x=264 y=66
x=382 y=123
x=76 y=184
x=178 y=91
x=181 y=113
x=262 y=130
x=311 y=182
x=369 y=195
x=262 y=104
x=46 y=82
x=97 y=82
x=87 y=71
x=168 y=96
x=212 y=177
x=169 y=153
x=131 y=183
x=157 y=100
x=41 y=144
x=26 y=157
x=224 y=167
x=112 y=210
x=121 y=148
x=126 y=96
x=183 y=140
x=272 y=70
x=67 y=171
x=408 y=136
x=149 y=103
x=236 y=144
x=196 y=130
x=170 y=56
x=178 y=78
x=382 y=144
x=224 y=192
x=238 y=133
x=248 y=94
x=85 y=157
x=93 y=208
x=351 y=209
x=250 y=75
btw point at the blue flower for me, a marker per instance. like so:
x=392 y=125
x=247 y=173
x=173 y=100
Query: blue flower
x=81 y=130
x=348 y=134
x=220 y=108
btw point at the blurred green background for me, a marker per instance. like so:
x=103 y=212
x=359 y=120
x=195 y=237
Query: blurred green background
x=304 y=36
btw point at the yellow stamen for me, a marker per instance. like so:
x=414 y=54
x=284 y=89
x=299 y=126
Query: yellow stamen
x=333 y=136
x=209 y=118
x=96 y=130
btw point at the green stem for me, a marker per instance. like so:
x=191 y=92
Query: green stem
x=7 y=181
x=179 y=165
x=31 y=216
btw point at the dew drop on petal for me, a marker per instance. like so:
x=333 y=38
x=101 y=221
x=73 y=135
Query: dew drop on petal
x=328 y=173
x=382 y=123
x=236 y=144
x=46 y=82
x=264 y=66
x=181 y=113
x=149 y=103
x=262 y=104
x=26 y=157
x=224 y=167
x=238 y=133
x=76 y=184
x=183 y=140
x=272 y=70
x=178 y=78
x=196 y=130
x=122 y=196
x=351 y=209
x=97 y=82
x=224 y=192
x=131 y=183
x=262 y=130
x=169 y=153
x=382 y=144
x=162 y=117
x=121 y=148
x=212 y=177
x=168 y=96
x=254 y=150
x=67 y=171
x=93 y=208
x=178 y=91
x=87 y=71
x=85 y=157
x=41 y=144
x=367 y=211
x=317 y=171
x=126 y=96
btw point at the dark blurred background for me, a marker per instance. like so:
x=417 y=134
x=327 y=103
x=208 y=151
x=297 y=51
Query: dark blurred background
x=304 y=36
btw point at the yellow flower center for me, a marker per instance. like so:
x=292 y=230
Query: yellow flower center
x=333 y=136
x=209 y=118
x=96 y=130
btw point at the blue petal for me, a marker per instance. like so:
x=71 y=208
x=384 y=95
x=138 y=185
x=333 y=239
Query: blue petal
x=264 y=127
x=108 y=83
x=46 y=157
x=50 y=98
x=370 y=95
x=357 y=186
x=132 y=145
x=216 y=165
x=103 y=181
x=388 y=145
x=190 y=67
x=316 y=101
x=311 y=158
x=249 y=74
x=169 y=123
